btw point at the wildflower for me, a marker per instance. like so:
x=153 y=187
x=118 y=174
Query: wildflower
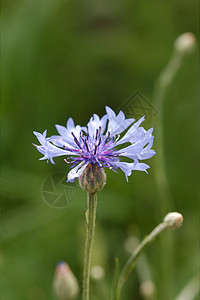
x=99 y=144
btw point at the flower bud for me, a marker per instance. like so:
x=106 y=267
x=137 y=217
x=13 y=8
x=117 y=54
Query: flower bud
x=185 y=43
x=174 y=220
x=92 y=179
x=65 y=284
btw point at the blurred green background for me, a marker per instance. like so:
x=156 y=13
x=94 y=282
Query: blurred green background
x=71 y=58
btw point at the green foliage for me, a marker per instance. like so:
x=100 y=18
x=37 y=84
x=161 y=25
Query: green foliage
x=67 y=58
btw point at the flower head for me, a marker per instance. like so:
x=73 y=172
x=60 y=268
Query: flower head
x=100 y=144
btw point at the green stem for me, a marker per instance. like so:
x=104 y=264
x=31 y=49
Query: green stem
x=130 y=264
x=90 y=230
x=166 y=202
x=163 y=83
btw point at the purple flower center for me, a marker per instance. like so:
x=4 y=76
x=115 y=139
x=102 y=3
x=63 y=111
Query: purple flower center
x=98 y=149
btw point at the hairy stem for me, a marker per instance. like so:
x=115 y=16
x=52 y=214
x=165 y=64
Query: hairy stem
x=90 y=230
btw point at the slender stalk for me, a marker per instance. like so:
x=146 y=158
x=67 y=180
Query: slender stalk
x=90 y=230
x=166 y=202
x=130 y=264
x=163 y=83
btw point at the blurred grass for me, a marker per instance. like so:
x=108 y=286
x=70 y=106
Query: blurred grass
x=65 y=58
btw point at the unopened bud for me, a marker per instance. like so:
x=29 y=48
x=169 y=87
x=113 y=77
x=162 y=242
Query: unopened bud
x=173 y=220
x=65 y=283
x=92 y=179
x=185 y=43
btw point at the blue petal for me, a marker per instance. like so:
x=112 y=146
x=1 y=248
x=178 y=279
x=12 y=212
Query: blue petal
x=141 y=167
x=70 y=124
x=76 y=172
x=117 y=124
x=134 y=134
x=62 y=130
x=136 y=150
x=127 y=168
x=47 y=149
x=94 y=124
x=66 y=133
x=41 y=137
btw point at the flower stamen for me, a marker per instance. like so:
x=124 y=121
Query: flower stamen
x=107 y=137
x=75 y=139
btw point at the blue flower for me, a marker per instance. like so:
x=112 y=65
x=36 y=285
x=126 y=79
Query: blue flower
x=100 y=143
